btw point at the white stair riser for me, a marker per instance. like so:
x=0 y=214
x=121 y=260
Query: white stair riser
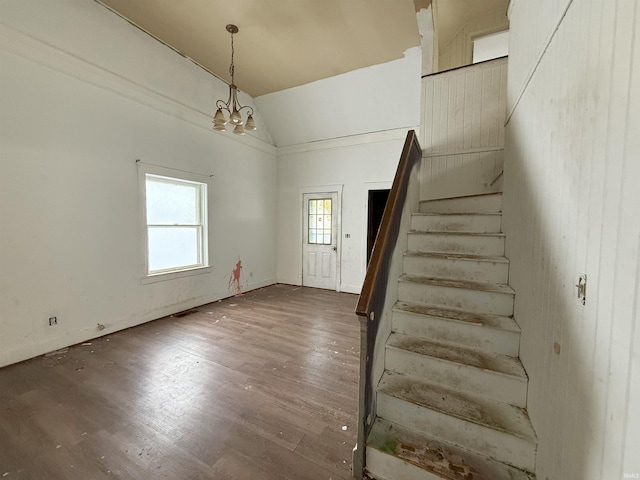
x=489 y=384
x=479 y=204
x=457 y=223
x=452 y=243
x=475 y=300
x=457 y=269
x=456 y=333
x=480 y=439
x=384 y=466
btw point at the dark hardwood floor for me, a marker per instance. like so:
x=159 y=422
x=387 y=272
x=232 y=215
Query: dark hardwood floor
x=261 y=386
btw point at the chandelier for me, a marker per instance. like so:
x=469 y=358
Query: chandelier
x=232 y=106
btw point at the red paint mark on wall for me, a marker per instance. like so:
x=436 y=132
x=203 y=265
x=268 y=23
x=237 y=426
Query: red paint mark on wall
x=234 y=279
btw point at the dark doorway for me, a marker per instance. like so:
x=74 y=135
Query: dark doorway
x=377 y=202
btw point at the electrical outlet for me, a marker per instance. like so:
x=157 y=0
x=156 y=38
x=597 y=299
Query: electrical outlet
x=53 y=321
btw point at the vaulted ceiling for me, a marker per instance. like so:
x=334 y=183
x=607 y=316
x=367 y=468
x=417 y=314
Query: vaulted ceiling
x=286 y=43
x=280 y=43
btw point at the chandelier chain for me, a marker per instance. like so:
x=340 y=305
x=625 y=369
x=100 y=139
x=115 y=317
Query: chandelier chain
x=232 y=106
x=232 y=66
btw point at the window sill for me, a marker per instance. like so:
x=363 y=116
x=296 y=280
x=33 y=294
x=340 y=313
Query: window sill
x=161 y=277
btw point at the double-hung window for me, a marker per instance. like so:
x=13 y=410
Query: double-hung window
x=176 y=217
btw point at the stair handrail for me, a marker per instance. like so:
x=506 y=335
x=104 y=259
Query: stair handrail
x=372 y=296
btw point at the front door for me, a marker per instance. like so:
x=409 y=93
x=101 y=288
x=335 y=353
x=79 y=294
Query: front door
x=320 y=240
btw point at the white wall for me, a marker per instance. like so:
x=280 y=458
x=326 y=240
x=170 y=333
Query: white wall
x=572 y=206
x=358 y=164
x=84 y=94
x=459 y=50
x=373 y=99
x=428 y=40
x=462 y=130
x=346 y=130
x=488 y=47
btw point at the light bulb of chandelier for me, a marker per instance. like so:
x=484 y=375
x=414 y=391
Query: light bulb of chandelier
x=218 y=118
x=251 y=124
x=239 y=130
x=218 y=127
x=235 y=118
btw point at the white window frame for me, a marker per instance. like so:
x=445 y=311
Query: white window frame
x=171 y=175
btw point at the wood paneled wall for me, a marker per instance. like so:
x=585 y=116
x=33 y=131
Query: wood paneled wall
x=462 y=129
x=572 y=206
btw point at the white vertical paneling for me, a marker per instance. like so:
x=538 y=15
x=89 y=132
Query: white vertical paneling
x=476 y=112
x=461 y=174
x=632 y=174
x=541 y=24
x=462 y=130
x=571 y=206
x=464 y=108
x=468 y=106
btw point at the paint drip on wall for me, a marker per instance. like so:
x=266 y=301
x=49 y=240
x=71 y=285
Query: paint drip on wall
x=234 y=278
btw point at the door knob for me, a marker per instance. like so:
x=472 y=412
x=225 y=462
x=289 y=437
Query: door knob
x=335 y=248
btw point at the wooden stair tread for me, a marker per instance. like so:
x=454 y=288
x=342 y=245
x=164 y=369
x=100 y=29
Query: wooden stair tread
x=471 y=408
x=455 y=214
x=494 y=362
x=457 y=315
x=462 y=196
x=455 y=232
x=458 y=256
x=437 y=457
x=465 y=284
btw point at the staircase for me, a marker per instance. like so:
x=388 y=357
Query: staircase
x=451 y=402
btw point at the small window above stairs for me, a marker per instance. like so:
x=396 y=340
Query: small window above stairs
x=451 y=403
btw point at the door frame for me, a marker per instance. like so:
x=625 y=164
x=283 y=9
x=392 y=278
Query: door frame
x=369 y=186
x=337 y=189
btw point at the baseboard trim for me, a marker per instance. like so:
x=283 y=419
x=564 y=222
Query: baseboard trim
x=69 y=339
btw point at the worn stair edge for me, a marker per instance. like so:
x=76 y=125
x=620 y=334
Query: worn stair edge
x=464 y=284
x=457 y=222
x=384 y=466
x=456 y=233
x=456 y=242
x=458 y=256
x=440 y=459
x=491 y=414
x=457 y=295
x=455 y=214
x=485 y=194
x=481 y=203
x=502 y=336
x=457 y=376
x=460 y=316
x=488 y=362
x=484 y=440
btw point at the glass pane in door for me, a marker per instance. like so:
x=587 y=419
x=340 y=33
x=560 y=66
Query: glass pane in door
x=320 y=222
